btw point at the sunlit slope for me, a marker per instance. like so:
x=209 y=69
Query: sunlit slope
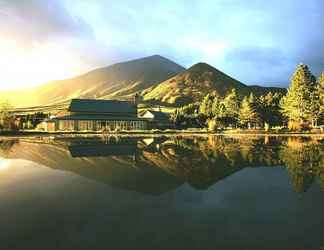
x=121 y=80
x=197 y=81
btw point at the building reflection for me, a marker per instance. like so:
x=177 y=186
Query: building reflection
x=155 y=165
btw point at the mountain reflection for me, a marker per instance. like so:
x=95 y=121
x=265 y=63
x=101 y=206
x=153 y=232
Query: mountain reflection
x=156 y=165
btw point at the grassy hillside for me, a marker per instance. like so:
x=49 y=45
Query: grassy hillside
x=194 y=83
x=121 y=80
x=159 y=80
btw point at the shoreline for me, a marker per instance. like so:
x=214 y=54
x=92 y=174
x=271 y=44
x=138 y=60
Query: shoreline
x=155 y=133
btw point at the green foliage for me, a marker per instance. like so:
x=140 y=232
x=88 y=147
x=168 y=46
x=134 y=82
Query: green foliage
x=220 y=112
x=320 y=90
x=206 y=107
x=300 y=104
x=188 y=116
x=232 y=107
x=269 y=109
x=297 y=156
x=248 y=114
x=214 y=124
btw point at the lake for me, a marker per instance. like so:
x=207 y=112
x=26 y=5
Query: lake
x=162 y=192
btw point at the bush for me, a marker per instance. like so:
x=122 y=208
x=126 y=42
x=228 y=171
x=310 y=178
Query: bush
x=298 y=126
x=214 y=124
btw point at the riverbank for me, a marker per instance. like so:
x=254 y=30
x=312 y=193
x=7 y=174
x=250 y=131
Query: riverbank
x=166 y=132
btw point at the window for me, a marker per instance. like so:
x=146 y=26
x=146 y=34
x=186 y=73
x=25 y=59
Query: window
x=65 y=125
x=85 y=125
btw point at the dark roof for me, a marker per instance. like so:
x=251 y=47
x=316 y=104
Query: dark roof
x=159 y=115
x=102 y=106
x=99 y=118
x=102 y=150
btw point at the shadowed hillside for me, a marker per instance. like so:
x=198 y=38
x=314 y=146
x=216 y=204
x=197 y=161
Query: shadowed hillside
x=197 y=81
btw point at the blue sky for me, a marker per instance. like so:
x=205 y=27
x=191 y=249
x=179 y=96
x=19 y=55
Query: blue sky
x=255 y=41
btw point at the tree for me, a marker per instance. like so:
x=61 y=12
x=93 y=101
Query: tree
x=320 y=90
x=297 y=105
x=232 y=107
x=314 y=110
x=248 y=114
x=269 y=109
x=188 y=116
x=218 y=108
x=6 y=120
x=206 y=106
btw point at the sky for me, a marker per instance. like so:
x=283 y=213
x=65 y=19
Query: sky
x=255 y=41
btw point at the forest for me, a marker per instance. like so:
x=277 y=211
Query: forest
x=301 y=108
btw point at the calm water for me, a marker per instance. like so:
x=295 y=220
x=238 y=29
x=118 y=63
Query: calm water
x=176 y=192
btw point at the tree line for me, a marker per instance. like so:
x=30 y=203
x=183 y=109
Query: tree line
x=300 y=108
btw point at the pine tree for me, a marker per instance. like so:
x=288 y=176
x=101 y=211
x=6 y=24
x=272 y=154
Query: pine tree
x=314 y=112
x=247 y=113
x=206 y=105
x=269 y=109
x=218 y=108
x=232 y=106
x=297 y=105
x=320 y=90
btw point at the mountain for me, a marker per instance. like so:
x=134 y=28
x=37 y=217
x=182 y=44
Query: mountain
x=194 y=83
x=158 y=79
x=121 y=80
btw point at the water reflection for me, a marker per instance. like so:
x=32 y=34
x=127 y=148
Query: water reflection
x=155 y=165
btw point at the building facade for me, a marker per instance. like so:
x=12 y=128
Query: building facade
x=97 y=115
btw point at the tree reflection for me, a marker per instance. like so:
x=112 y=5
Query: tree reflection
x=204 y=161
x=304 y=159
x=160 y=164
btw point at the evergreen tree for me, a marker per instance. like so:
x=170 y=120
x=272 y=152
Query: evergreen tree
x=269 y=109
x=314 y=111
x=206 y=105
x=320 y=90
x=218 y=108
x=248 y=114
x=297 y=105
x=232 y=107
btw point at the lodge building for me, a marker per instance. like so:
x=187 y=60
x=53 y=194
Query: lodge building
x=96 y=115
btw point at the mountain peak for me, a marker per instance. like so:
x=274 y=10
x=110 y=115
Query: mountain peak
x=201 y=66
x=118 y=81
x=157 y=56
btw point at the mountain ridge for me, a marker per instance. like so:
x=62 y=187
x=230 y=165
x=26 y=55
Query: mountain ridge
x=194 y=83
x=154 y=77
x=119 y=80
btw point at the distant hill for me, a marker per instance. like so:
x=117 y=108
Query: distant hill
x=121 y=80
x=158 y=79
x=194 y=83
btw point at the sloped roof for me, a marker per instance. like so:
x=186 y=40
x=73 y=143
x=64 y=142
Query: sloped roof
x=102 y=106
x=85 y=117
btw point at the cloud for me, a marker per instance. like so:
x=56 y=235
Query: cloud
x=255 y=63
x=252 y=40
x=30 y=21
